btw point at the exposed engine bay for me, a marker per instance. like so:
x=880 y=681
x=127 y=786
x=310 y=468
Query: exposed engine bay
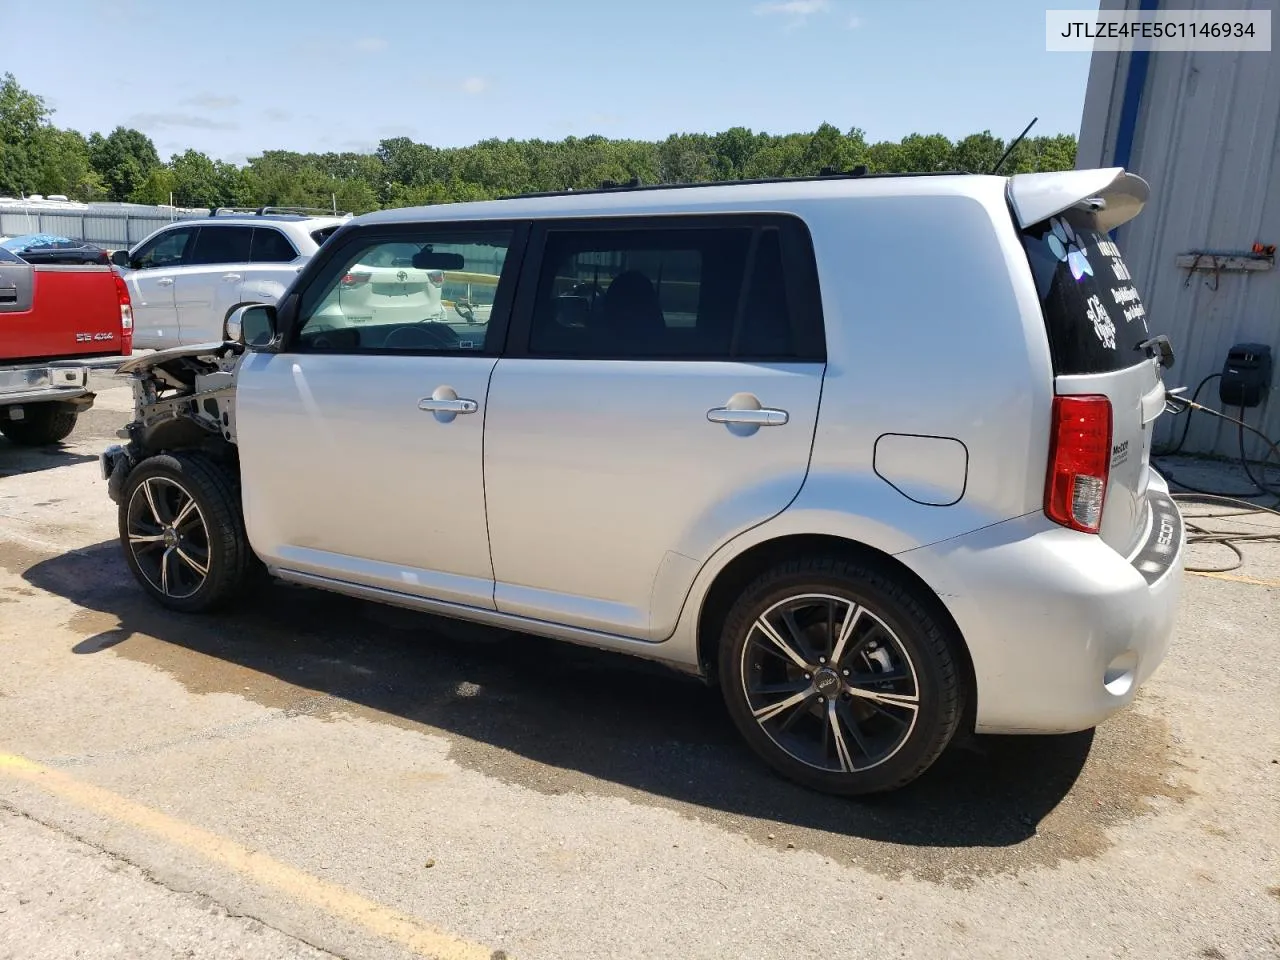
x=183 y=399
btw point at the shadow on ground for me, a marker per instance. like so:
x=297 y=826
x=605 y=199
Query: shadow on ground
x=563 y=719
x=15 y=460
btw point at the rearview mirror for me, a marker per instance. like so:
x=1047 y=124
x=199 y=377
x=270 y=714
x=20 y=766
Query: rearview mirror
x=430 y=260
x=121 y=258
x=254 y=325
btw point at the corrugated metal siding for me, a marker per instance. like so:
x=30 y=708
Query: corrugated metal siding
x=114 y=229
x=1208 y=142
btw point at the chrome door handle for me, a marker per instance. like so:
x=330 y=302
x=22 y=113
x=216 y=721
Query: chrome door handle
x=764 y=417
x=165 y=282
x=448 y=406
x=231 y=276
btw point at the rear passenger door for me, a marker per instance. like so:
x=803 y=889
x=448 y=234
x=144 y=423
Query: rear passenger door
x=208 y=285
x=273 y=263
x=658 y=395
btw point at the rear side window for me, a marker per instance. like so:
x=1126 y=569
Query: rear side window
x=323 y=234
x=7 y=257
x=271 y=246
x=1093 y=313
x=222 y=245
x=716 y=293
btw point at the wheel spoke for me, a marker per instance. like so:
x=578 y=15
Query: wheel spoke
x=889 y=676
x=146 y=538
x=185 y=512
x=907 y=700
x=765 y=627
x=851 y=618
x=774 y=709
x=842 y=749
x=191 y=562
x=151 y=502
x=164 y=570
x=851 y=724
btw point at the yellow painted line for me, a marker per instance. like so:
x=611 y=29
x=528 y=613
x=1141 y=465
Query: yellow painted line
x=1234 y=578
x=339 y=902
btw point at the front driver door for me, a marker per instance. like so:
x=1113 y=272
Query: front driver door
x=360 y=441
x=152 y=280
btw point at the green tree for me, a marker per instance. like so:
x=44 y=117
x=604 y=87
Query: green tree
x=123 y=159
x=199 y=181
x=23 y=119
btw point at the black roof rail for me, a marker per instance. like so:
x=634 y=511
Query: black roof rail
x=829 y=173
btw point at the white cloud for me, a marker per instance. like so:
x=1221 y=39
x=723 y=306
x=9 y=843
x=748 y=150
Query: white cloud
x=475 y=85
x=276 y=115
x=855 y=23
x=371 y=44
x=156 y=121
x=211 y=101
x=793 y=8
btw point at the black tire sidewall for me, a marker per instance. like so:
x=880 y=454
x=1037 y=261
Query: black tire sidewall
x=42 y=425
x=212 y=487
x=925 y=640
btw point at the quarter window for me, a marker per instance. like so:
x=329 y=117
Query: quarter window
x=713 y=293
x=430 y=292
x=271 y=246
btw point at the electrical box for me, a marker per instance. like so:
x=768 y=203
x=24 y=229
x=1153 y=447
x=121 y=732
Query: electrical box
x=1246 y=376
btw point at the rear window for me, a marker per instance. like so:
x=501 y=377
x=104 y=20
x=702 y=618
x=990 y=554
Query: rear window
x=7 y=257
x=1094 y=316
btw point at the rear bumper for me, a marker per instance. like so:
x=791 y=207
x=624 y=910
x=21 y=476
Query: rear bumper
x=45 y=382
x=1062 y=630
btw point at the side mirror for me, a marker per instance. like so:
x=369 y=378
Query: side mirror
x=254 y=325
x=121 y=259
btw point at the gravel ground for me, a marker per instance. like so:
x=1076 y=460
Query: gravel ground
x=315 y=773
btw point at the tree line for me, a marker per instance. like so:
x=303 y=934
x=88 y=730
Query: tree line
x=36 y=156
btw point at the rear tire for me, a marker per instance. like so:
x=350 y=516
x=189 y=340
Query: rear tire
x=42 y=424
x=865 y=714
x=183 y=532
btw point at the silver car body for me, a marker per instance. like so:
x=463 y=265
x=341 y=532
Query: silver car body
x=596 y=501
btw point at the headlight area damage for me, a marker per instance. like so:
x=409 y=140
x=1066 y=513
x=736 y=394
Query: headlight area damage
x=183 y=399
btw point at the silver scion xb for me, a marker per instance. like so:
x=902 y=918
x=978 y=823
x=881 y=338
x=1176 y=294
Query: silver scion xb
x=871 y=453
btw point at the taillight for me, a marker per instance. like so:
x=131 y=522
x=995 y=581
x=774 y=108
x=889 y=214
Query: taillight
x=436 y=277
x=356 y=279
x=1079 y=462
x=126 y=305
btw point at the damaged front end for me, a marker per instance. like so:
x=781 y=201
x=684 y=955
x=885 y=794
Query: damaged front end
x=183 y=399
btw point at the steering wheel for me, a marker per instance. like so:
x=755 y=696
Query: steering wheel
x=426 y=335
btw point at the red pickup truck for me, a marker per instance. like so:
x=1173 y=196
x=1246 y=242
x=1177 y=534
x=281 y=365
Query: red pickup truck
x=57 y=321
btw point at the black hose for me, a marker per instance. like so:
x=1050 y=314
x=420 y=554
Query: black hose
x=1231 y=539
x=1190 y=413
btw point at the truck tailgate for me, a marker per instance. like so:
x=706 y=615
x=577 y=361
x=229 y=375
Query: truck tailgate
x=59 y=311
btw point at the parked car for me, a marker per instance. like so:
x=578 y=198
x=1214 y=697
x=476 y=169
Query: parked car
x=54 y=249
x=188 y=276
x=872 y=453
x=57 y=320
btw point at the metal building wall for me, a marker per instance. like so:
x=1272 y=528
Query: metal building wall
x=1203 y=129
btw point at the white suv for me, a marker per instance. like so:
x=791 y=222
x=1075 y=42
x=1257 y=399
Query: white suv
x=871 y=452
x=187 y=278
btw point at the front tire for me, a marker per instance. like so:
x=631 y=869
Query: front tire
x=839 y=675
x=183 y=532
x=42 y=424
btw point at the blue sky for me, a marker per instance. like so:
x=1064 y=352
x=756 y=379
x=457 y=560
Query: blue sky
x=234 y=77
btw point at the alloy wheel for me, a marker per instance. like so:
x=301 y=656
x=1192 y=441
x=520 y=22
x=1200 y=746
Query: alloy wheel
x=830 y=683
x=168 y=537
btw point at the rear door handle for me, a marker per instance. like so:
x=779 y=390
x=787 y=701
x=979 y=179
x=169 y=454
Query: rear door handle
x=763 y=417
x=165 y=282
x=231 y=276
x=433 y=405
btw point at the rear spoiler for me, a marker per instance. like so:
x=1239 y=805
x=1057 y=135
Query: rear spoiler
x=1113 y=196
